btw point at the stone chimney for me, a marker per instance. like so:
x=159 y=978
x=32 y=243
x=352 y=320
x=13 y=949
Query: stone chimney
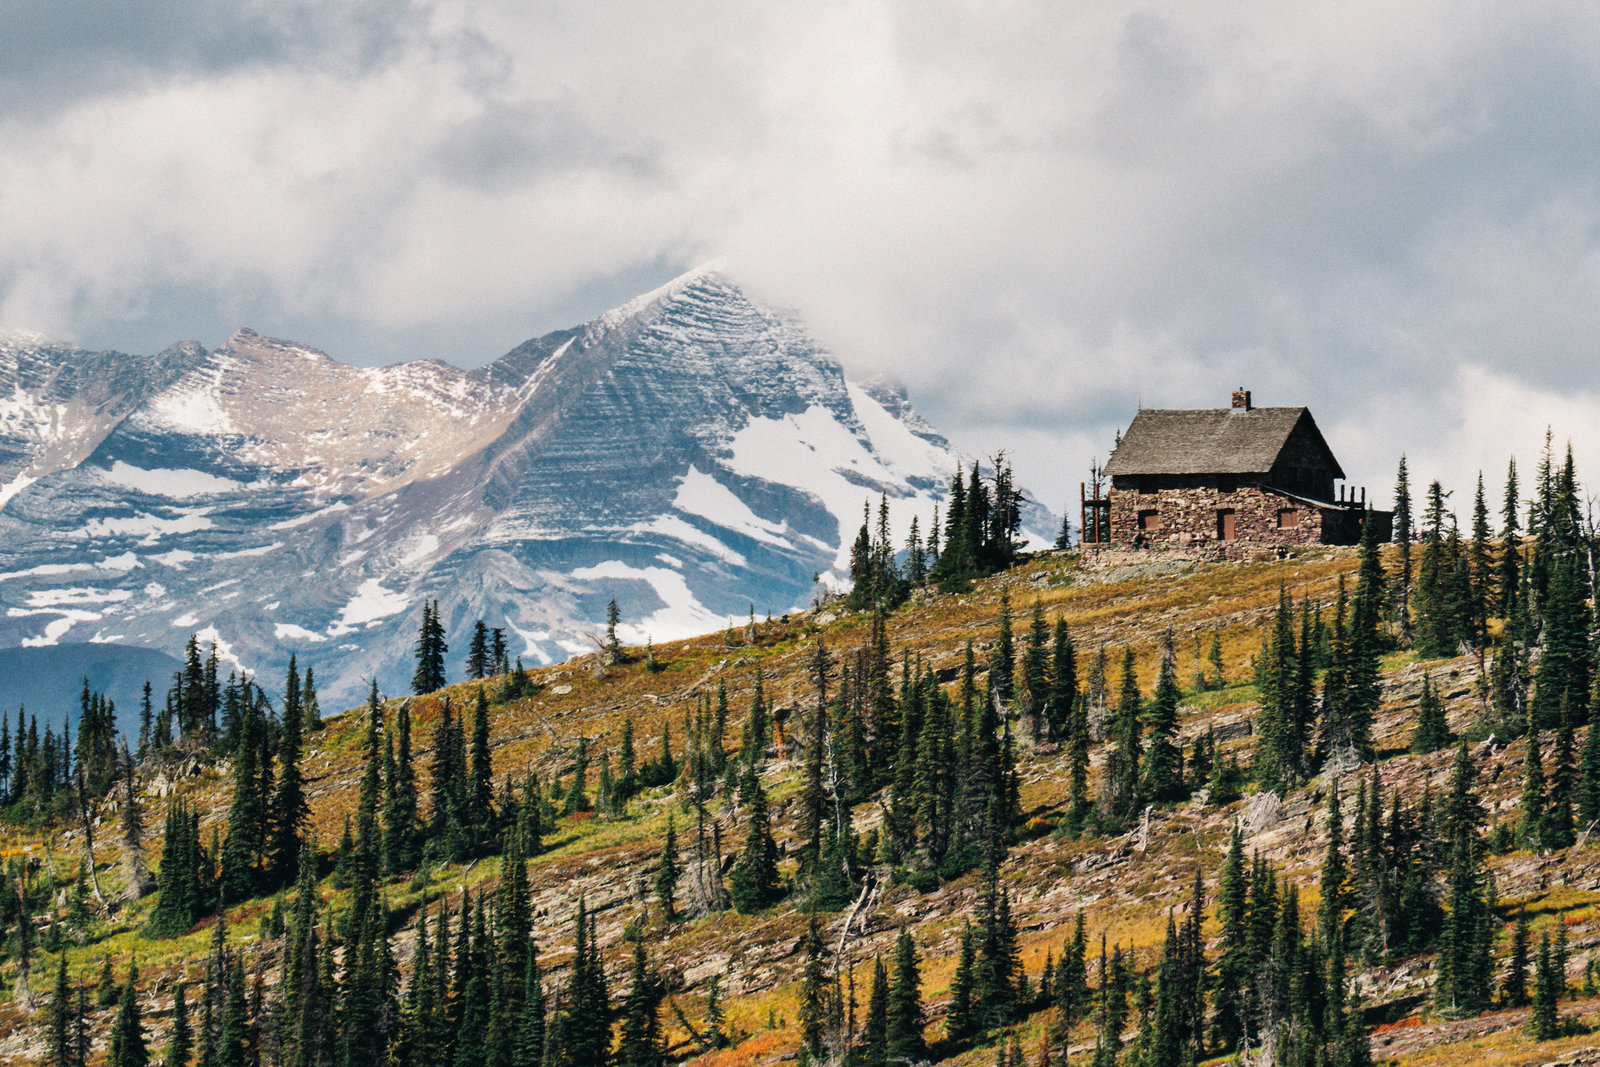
x=1241 y=399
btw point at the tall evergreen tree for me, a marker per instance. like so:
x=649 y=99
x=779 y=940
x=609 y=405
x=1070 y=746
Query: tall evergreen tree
x=480 y=796
x=1508 y=575
x=813 y=998
x=401 y=822
x=289 y=807
x=1544 y=1021
x=127 y=1030
x=1161 y=772
x=246 y=819
x=1403 y=535
x=905 y=1020
x=641 y=1044
x=479 y=663
x=1432 y=731
x=1278 y=759
x=1464 y=984
x=1514 y=990
x=667 y=875
x=181 y=1040
x=753 y=881
x=429 y=651
x=873 y=1049
x=813 y=795
x=1120 y=795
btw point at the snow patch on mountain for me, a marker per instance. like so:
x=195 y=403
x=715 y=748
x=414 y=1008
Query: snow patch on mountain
x=701 y=494
x=15 y=486
x=150 y=528
x=676 y=529
x=171 y=483
x=371 y=603
x=681 y=613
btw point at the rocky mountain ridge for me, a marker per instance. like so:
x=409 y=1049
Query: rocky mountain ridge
x=694 y=454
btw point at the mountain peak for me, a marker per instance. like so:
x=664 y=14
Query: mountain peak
x=689 y=454
x=642 y=303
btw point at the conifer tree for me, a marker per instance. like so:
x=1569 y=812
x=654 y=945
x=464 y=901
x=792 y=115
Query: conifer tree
x=613 y=644
x=905 y=1019
x=127 y=1030
x=1161 y=774
x=667 y=875
x=311 y=711
x=813 y=797
x=1587 y=798
x=1063 y=696
x=752 y=883
x=1557 y=829
x=1508 y=586
x=995 y=966
x=755 y=738
x=959 y=1013
x=531 y=1025
x=641 y=1044
x=289 y=807
x=1234 y=965
x=1278 y=756
x=1120 y=795
x=1164 y=1037
x=1514 y=990
x=58 y=1042
x=873 y=1050
x=1036 y=669
x=1403 y=534
x=480 y=797
x=1482 y=564
x=233 y=1042
x=1432 y=731
x=479 y=663
x=1002 y=661
x=429 y=651
x=1463 y=983
x=1334 y=890
x=246 y=819
x=401 y=822
x=181 y=1040
x=813 y=993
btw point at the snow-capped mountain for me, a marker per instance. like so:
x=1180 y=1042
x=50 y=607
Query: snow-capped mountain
x=693 y=454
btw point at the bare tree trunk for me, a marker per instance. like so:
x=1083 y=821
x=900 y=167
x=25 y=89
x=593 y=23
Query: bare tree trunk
x=88 y=841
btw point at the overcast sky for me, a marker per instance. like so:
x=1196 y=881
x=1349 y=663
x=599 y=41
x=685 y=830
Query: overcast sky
x=1035 y=215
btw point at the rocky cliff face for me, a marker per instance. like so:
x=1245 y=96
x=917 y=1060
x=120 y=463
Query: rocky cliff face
x=693 y=454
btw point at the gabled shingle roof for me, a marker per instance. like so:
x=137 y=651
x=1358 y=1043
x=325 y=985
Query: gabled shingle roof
x=1211 y=441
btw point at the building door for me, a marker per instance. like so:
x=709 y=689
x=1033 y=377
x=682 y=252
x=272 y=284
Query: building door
x=1224 y=524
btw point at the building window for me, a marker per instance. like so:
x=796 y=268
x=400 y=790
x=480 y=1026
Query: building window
x=1288 y=519
x=1149 y=521
x=1225 y=524
x=1227 y=483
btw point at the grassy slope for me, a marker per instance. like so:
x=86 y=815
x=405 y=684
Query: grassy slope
x=1123 y=888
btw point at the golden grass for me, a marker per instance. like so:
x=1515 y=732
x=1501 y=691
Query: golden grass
x=1125 y=895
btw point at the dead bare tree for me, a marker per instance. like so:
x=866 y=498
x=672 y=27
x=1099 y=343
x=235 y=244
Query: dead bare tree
x=87 y=815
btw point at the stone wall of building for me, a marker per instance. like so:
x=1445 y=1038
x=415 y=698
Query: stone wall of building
x=1184 y=517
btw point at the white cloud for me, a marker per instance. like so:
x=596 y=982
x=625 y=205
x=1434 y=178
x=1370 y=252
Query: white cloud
x=1035 y=215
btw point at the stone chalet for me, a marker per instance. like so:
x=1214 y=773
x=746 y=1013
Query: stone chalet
x=1232 y=479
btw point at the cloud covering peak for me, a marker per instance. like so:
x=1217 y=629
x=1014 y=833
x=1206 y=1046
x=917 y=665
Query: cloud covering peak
x=1035 y=216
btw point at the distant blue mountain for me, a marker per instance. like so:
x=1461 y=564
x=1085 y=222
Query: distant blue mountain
x=48 y=680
